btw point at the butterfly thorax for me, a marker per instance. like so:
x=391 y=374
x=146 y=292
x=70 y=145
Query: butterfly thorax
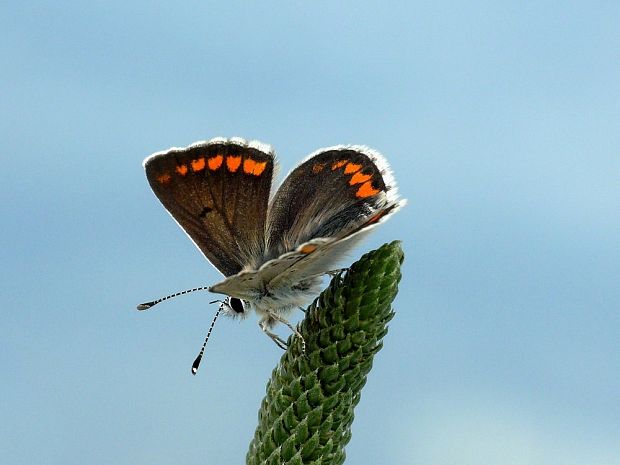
x=283 y=300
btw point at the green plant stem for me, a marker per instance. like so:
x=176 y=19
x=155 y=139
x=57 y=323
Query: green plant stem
x=306 y=416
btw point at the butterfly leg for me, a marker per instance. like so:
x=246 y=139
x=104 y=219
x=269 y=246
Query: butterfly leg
x=292 y=328
x=302 y=309
x=336 y=272
x=281 y=343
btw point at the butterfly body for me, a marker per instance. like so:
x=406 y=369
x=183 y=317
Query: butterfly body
x=272 y=249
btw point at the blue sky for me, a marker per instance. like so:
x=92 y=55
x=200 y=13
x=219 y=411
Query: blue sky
x=501 y=121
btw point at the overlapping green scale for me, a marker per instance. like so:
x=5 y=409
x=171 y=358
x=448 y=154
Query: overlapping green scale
x=306 y=416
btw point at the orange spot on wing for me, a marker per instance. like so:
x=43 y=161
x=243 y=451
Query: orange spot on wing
x=366 y=190
x=164 y=178
x=339 y=164
x=198 y=164
x=233 y=163
x=351 y=168
x=253 y=167
x=259 y=167
x=182 y=169
x=308 y=248
x=358 y=178
x=248 y=165
x=318 y=167
x=215 y=162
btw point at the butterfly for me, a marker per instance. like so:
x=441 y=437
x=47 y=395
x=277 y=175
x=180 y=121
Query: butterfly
x=273 y=250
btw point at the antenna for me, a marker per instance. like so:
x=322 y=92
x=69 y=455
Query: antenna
x=147 y=305
x=204 y=344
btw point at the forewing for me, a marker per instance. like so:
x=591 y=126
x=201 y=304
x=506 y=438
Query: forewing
x=332 y=194
x=218 y=192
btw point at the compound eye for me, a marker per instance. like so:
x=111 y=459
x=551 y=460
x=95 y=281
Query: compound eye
x=236 y=305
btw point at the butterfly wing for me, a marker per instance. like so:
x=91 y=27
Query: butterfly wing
x=331 y=194
x=218 y=192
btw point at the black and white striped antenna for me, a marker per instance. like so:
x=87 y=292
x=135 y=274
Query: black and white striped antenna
x=204 y=344
x=147 y=305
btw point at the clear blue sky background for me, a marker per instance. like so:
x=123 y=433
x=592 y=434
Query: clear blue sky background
x=501 y=121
